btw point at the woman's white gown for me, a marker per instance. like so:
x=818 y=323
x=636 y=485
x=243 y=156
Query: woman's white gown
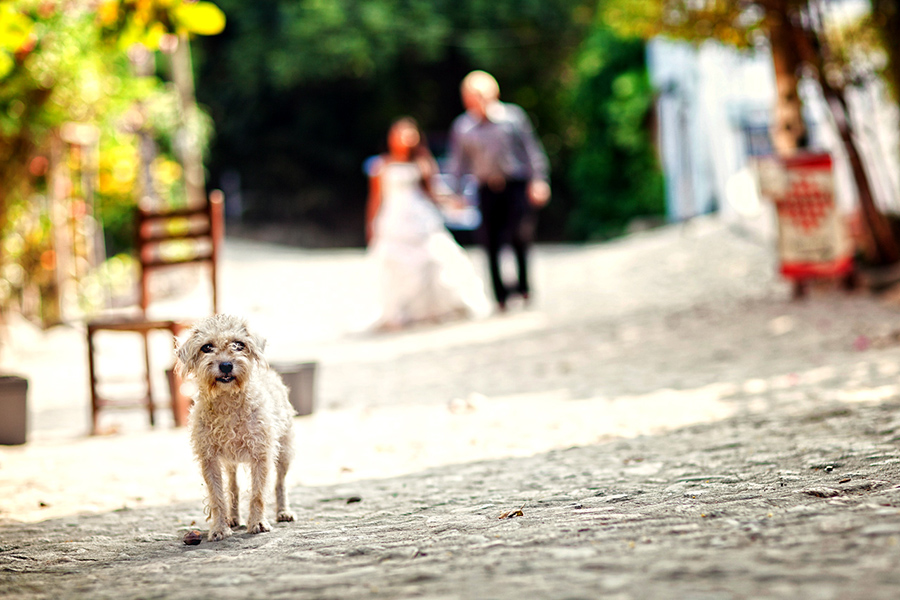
x=424 y=275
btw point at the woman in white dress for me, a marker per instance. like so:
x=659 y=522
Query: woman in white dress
x=424 y=275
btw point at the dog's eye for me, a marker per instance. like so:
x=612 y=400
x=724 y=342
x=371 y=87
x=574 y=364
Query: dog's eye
x=206 y=348
x=237 y=346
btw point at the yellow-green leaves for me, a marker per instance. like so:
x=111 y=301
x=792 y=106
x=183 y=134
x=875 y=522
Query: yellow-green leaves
x=15 y=34
x=148 y=22
x=199 y=18
x=15 y=28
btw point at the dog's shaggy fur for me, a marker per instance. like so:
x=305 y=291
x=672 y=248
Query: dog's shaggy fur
x=241 y=414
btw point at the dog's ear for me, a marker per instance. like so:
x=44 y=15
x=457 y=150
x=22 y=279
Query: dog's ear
x=185 y=354
x=256 y=346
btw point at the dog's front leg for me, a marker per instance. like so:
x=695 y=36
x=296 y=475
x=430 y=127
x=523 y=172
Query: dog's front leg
x=282 y=510
x=234 y=496
x=259 y=474
x=212 y=474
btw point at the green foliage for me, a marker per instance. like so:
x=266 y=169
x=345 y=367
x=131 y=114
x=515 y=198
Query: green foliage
x=350 y=38
x=614 y=171
x=734 y=22
x=67 y=65
x=303 y=91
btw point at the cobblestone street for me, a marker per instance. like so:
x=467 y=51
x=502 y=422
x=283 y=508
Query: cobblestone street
x=663 y=423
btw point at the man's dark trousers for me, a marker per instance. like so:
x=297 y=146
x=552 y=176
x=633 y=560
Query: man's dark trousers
x=507 y=218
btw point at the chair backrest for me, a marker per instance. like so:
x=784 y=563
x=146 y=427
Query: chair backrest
x=176 y=237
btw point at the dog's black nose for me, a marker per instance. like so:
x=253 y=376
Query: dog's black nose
x=226 y=367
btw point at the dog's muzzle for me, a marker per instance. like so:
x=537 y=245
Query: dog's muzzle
x=226 y=369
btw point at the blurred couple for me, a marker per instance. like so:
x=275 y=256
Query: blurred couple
x=424 y=275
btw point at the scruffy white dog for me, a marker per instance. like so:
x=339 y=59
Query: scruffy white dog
x=241 y=414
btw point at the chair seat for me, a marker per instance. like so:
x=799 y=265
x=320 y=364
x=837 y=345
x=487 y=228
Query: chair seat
x=136 y=323
x=143 y=327
x=121 y=404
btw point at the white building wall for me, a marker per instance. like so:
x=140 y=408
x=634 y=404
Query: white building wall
x=708 y=97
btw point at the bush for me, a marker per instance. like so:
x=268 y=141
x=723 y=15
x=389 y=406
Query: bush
x=614 y=172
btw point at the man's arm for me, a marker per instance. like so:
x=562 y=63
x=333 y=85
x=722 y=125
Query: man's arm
x=534 y=150
x=539 y=186
x=457 y=161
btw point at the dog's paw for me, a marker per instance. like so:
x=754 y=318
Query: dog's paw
x=233 y=522
x=217 y=534
x=285 y=515
x=261 y=527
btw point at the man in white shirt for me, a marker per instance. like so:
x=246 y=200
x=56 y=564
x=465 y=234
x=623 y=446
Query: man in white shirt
x=495 y=142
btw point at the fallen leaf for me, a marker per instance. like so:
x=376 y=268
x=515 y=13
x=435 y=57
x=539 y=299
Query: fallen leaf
x=193 y=537
x=821 y=492
x=513 y=513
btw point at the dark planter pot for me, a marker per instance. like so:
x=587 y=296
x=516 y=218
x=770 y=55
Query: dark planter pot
x=13 y=410
x=301 y=381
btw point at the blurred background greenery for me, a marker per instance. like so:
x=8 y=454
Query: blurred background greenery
x=302 y=92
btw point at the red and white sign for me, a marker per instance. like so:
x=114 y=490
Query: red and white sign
x=813 y=240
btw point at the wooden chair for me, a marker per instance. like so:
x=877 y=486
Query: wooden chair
x=163 y=240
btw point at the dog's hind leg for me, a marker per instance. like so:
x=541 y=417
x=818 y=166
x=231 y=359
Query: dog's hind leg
x=234 y=518
x=212 y=474
x=259 y=474
x=282 y=510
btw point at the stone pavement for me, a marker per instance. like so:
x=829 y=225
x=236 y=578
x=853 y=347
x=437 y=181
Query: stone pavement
x=753 y=507
x=663 y=423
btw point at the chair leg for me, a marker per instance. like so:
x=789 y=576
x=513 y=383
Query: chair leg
x=95 y=399
x=181 y=404
x=146 y=335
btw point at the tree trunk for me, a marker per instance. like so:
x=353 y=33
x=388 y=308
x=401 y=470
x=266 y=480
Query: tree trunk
x=884 y=248
x=788 y=128
x=880 y=244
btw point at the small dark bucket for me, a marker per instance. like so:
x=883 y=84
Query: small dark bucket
x=13 y=410
x=301 y=381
